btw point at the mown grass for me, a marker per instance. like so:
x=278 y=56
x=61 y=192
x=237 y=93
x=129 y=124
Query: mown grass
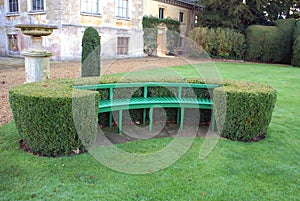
x=266 y=170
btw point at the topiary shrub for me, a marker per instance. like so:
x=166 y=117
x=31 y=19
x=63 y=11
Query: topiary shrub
x=91 y=49
x=249 y=108
x=44 y=117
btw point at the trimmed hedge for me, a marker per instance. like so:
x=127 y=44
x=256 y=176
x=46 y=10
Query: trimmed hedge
x=45 y=120
x=249 y=108
x=271 y=43
x=296 y=45
x=263 y=43
x=286 y=27
x=220 y=42
x=90 y=56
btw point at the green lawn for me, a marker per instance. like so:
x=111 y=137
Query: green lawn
x=266 y=170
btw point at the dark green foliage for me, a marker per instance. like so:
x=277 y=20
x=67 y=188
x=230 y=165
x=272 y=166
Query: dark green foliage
x=287 y=29
x=263 y=43
x=90 y=58
x=231 y=14
x=249 y=108
x=150 y=24
x=220 y=42
x=272 y=43
x=237 y=15
x=296 y=52
x=296 y=30
x=43 y=114
x=296 y=45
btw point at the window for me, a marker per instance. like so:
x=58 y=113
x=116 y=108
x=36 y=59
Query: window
x=13 y=6
x=181 y=17
x=161 y=13
x=122 y=45
x=122 y=8
x=90 y=6
x=37 y=5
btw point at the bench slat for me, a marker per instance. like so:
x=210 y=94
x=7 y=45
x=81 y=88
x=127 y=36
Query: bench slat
x=145 y=84
x=140 y=102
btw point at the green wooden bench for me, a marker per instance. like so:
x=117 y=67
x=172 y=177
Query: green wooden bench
x=145 y=102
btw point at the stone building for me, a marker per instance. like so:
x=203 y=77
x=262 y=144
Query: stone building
x=119 y=23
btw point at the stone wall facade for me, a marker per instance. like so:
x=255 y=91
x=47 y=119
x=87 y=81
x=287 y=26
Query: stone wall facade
x=72 y=20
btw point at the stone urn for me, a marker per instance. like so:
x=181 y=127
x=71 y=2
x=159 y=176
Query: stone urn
x=37 y=58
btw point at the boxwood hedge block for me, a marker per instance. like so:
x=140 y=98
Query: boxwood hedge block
x=50 y=114
x=249 y=108
x=44 y=117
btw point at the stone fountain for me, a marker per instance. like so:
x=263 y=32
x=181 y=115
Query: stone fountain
x=37 y=58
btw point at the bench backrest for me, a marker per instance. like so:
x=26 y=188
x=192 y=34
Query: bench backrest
x=146 y=85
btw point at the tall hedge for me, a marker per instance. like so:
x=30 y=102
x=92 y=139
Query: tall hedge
x=263 y=43
x=296 y=45
x=52 y=117
x=286 y=27
x=90 y=57
x=271 y=43
x=220 y=42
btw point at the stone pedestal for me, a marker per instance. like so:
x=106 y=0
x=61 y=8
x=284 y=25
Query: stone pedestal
x=37 y=61
x=37 y=66
x=37 y=58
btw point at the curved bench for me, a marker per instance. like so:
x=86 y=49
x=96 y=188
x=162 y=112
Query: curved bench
x=147 y=102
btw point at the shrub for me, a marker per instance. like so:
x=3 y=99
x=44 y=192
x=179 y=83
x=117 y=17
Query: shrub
x=46 y=120
x=296 y=52
x=44 y=117
x=249 y=108
x=296 y=45
x=271 y=43
x=220 y=42
x=263 y=43
x=91 y=48
x=284 y=53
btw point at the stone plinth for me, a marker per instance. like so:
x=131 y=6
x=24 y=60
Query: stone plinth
x=37 y=58
x=37 y=66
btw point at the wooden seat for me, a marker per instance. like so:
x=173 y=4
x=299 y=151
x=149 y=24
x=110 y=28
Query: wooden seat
x=145 y=102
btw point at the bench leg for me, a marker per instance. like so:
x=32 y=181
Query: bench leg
x=120 y=121
x=144 y=115
x=150 y=118
x=110 y=119
x=178 y=116
x=212 y=120
x=181 y=118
